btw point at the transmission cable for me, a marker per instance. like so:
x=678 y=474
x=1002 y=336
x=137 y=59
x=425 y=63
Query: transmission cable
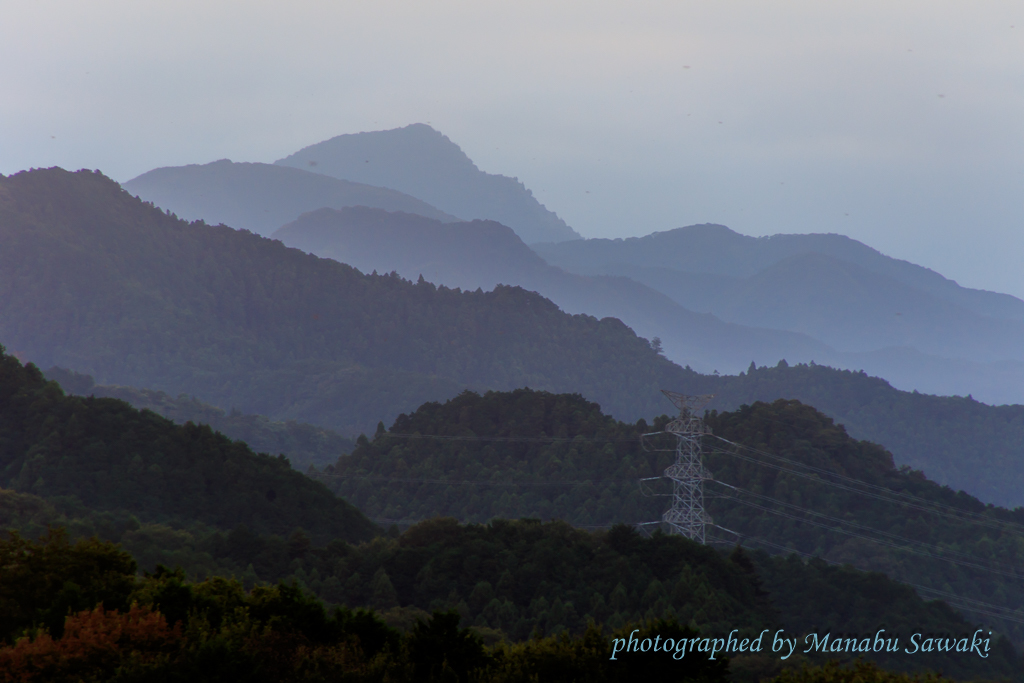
x=1000 y=612
x=855 y=525
x=514 y=439
x=900 y=498
x=890 y=496
x=478 y=482
x=1011 y=574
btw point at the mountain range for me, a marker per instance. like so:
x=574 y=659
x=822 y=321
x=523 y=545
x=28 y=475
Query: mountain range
x=261 y=197
x=830 y=287
x=424 y=163
x=99 y=282
x=788 y=305
x=185 y=495
x=725 y=299
x=95 y=280
x=484 y=254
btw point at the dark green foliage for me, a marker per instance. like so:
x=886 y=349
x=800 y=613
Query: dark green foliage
x=800 y=433
x=526 y=577
x=860 y=672
x=216 y=631
x=786 y=428
x=439 y=649
x=844 y=602
x=303 y=444
x=283 y=608
x=503 y=478
x=109 y=456
x=220 y=631
x=41 y=582
x=103 y=283
x=956 y=441
x=663 y=666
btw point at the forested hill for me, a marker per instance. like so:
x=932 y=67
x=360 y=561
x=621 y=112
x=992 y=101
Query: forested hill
x=534 y=454
x=109 y=456
x=100 y=282
x=303 y=444
x=954 y=440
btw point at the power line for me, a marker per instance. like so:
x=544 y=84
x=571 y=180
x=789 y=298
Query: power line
x=941 y=550
x=908 y=500
x=476 y=482
x=887 y=494
x=410 y=522
x=878 y=492
x=514 y=439
x=979 y=607
x=1012 y=574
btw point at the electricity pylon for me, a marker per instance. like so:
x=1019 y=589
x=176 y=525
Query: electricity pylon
x=687 y=515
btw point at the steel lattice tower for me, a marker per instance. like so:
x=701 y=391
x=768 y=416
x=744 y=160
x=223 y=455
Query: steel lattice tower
x=687 y=515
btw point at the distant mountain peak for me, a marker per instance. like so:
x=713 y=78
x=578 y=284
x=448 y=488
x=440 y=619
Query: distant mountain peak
x=417 y=144
x=262 y=197
x=424 y=163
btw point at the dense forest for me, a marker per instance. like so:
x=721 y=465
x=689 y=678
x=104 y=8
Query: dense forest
x=922 y=431
x=303 y=444
x=954 y=440
x=509 y=581
x=105 y=455
x=534 y=454
x=79 y=608
x=103 y=283
x=100 y=282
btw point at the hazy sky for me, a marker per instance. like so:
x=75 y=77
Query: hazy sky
x=898 y=123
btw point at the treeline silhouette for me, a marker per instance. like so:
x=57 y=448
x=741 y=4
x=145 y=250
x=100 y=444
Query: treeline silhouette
x=102 y=454
x=103 y=283
x=303 y=444
x=78 y=610
x=464 y=458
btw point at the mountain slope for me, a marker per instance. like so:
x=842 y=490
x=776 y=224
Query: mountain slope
x=533 y=454
x=422 y=162
x=109 y=456
x=97 y=281
x=303 y=444
x=485 y=254
x=261 y=197
x=889 y=317
x=855 y=309
x=956 y=441
x=717 y=250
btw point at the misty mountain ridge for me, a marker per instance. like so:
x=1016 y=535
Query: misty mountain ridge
x=854 y=309
x=483 y=254
x=303 y=444
x=261 y=197
x=486 y=254
x=95 y=280
x=715 y=250
x=906 y=318
x=424 y=163
x=98 y=281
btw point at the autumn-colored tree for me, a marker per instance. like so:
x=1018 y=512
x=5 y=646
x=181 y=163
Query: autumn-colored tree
x=94 y=645
x=45 y=580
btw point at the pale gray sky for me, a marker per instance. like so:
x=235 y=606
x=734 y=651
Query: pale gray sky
x=898 y=123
